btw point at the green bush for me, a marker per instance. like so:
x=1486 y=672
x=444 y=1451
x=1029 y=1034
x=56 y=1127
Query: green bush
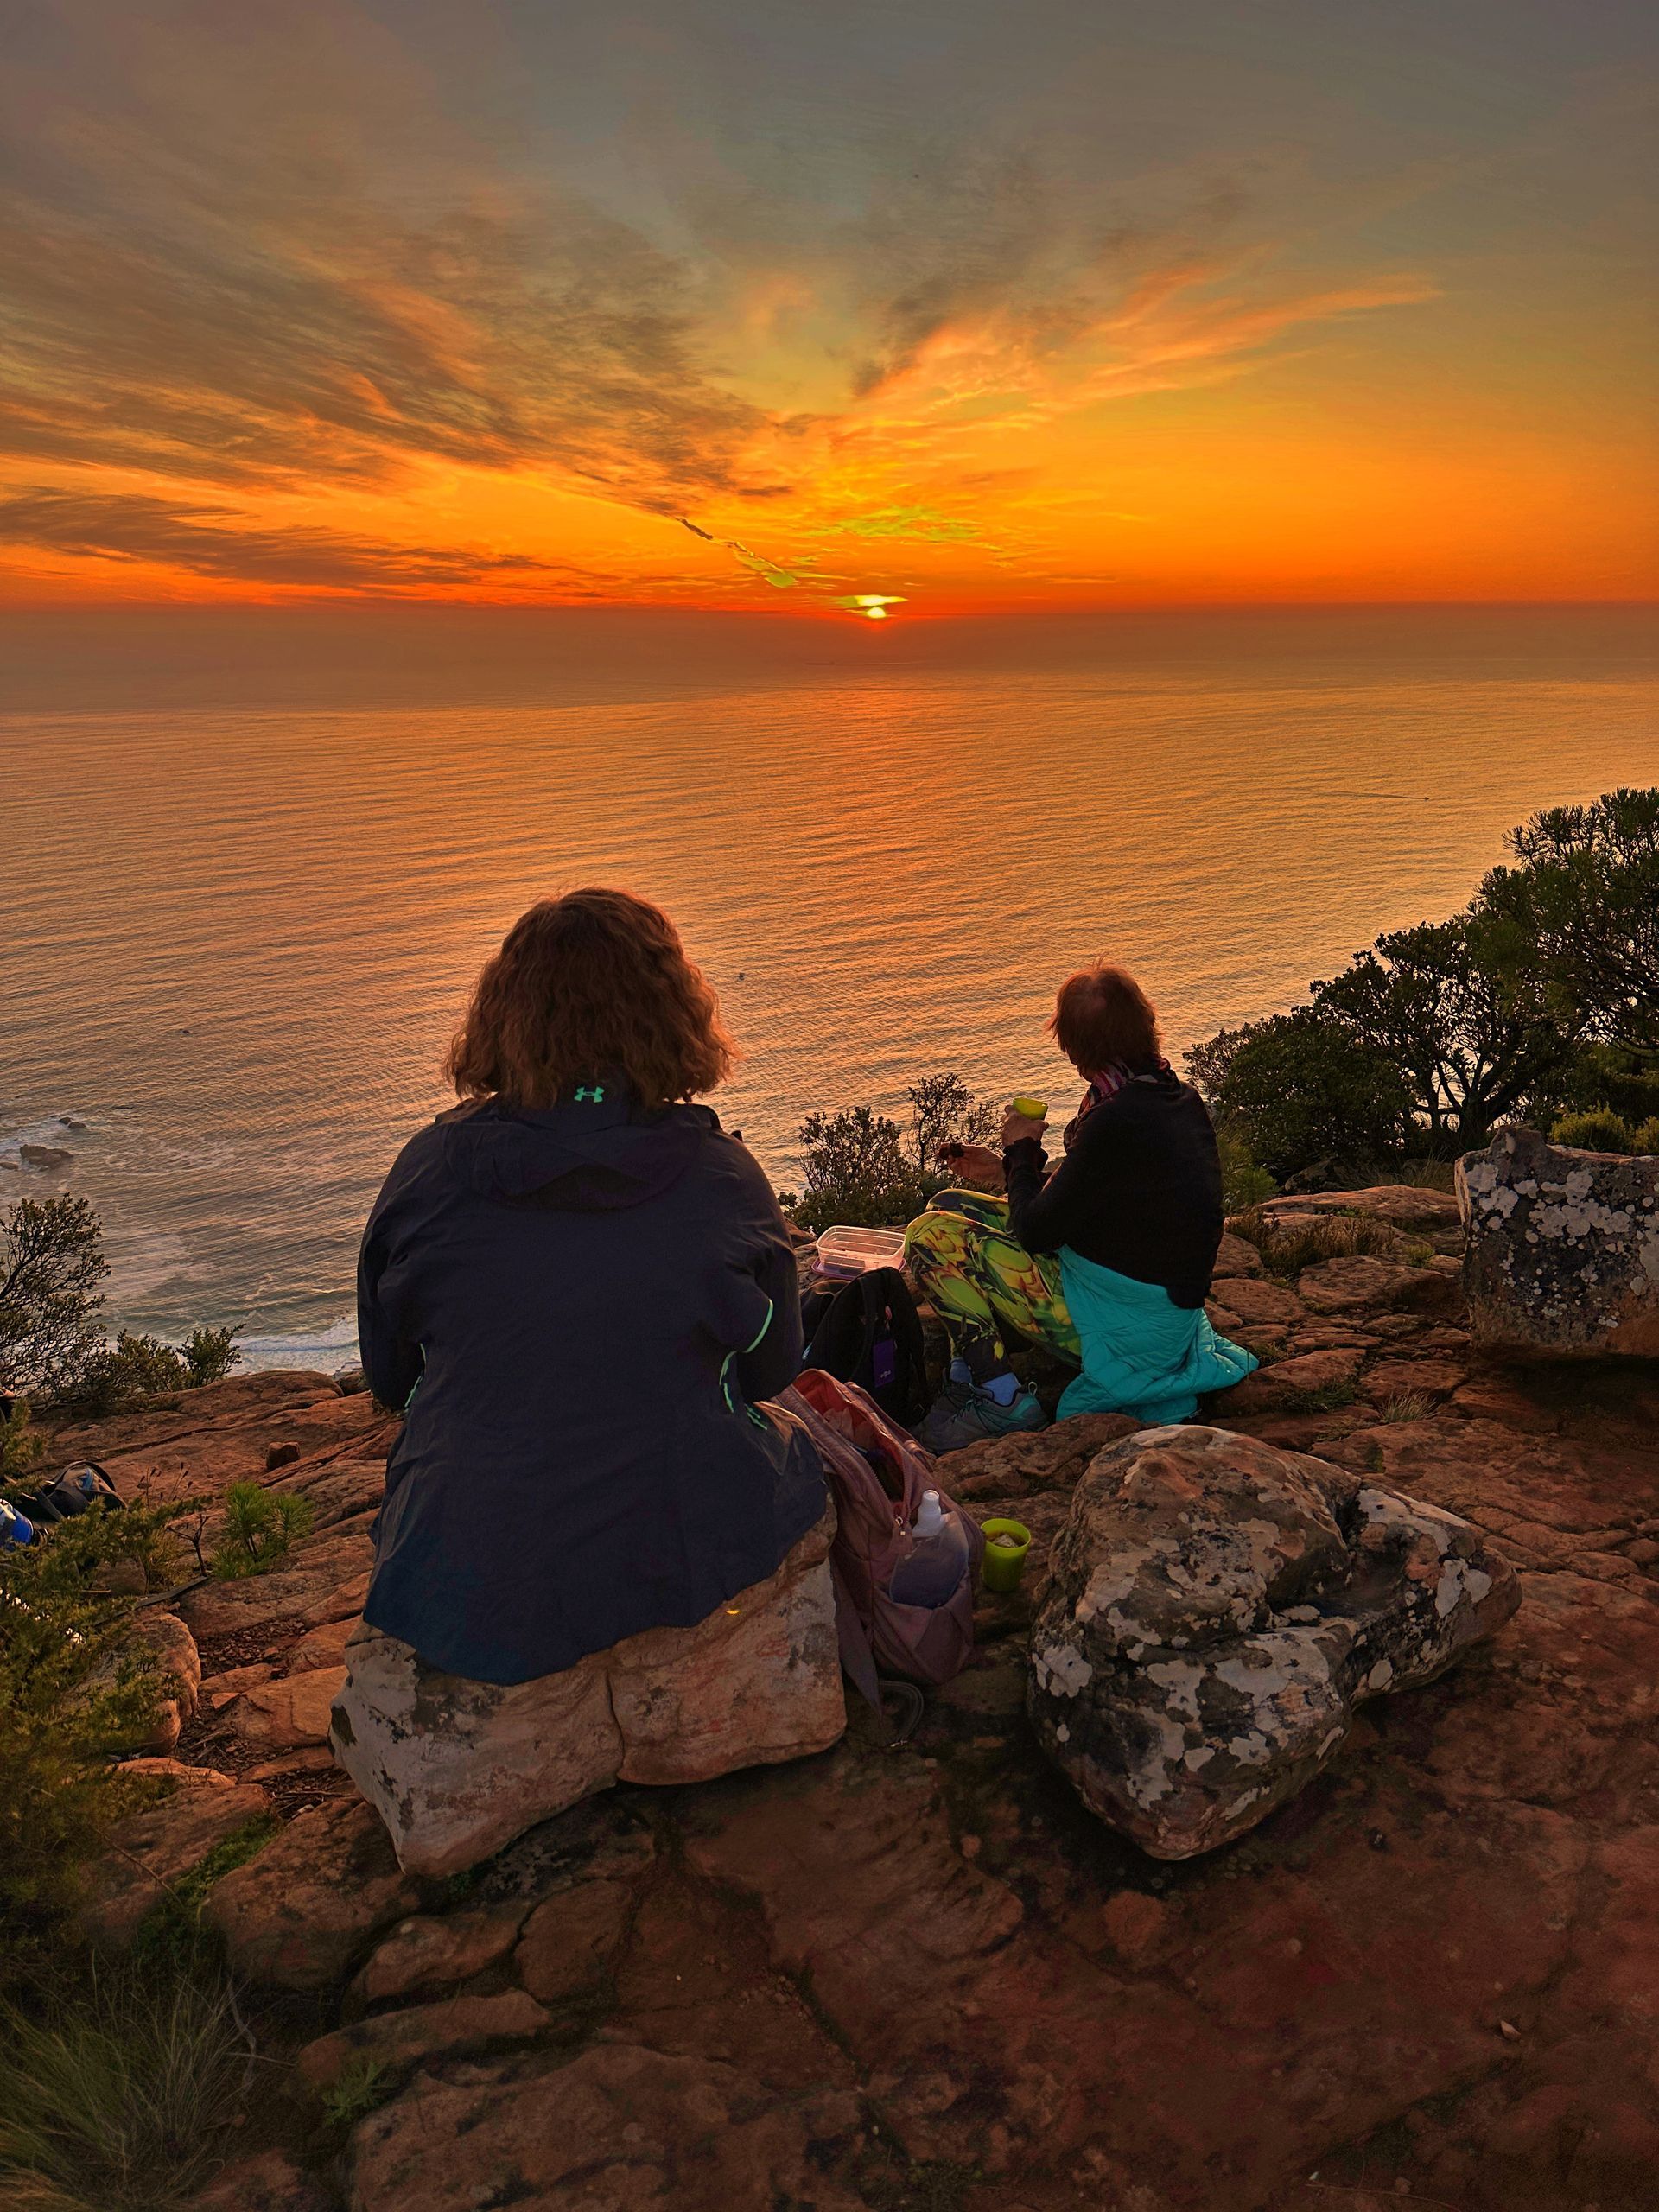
x=860 y=1168
x=1243 y=1183
x=261 y=1528
x=51 y=1263
x=1302 y=1087
x=117 y=2096
x=71 y=1686
x=134 y=1367
x=21 y=1449
x=1602 y=1131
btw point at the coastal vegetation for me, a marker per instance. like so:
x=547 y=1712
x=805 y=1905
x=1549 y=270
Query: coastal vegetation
x=1540 y=1002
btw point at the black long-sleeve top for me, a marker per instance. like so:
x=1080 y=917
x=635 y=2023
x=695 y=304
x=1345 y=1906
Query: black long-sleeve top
x=1139 y=1192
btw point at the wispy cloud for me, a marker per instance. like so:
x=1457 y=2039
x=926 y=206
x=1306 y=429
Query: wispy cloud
x=218 y=541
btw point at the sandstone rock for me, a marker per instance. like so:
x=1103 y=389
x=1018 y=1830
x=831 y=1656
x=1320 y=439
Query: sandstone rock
x=294 y=1710
x=1341 y=1286
x=322 y=1647
x=1402 y=1379
x=1052 y=1458
x=1236 y=1257
x=398 y=2042
x=1397 y=1205
x=280 y=1455
x=219 y=1690
x=167 y=1637
x=307 y=1589
x=619 y=2129
x=269 y=2183
x=457 y=1768
x=1290 y=1382
x=572 y=1936
x=1266 y=1303
x=1215 y=1610
x=1562 y=1252
x=428 y=1954
x=151 y=1850
x=297 y=1915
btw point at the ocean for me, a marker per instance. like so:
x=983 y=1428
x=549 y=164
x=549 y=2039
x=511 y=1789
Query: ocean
x=234 y=938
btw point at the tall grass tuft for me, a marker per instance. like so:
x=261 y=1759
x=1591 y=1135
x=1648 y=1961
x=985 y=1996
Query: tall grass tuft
x=1286 y=1246
x=116 y=2097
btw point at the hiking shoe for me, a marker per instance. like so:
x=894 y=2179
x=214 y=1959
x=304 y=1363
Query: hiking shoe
x=962 y=1415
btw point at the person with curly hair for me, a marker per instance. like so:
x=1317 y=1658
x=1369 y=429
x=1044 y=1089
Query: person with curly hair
x=577 y=1286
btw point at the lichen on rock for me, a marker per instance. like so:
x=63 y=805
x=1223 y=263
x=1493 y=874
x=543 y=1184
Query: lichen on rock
x=1562 y=1255
x=1215 y=1610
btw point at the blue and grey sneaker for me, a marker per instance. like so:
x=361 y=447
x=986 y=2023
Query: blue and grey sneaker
x=963 y=1413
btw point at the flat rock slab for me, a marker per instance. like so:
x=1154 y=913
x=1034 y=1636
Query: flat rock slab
x=1397 y=1205
x=427 y=1954
x=398 y=2042
x=1345 y=1286
x=319 y=1573
x=1215 y=1610
x=457 y=1768
x=299 y=1914
x=155 y=1848
x=619 y=2129
x=1561 y=1259
x=1289 y=1383
x=277 y=1715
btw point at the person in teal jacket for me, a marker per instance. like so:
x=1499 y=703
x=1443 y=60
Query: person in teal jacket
x=1105 y=1261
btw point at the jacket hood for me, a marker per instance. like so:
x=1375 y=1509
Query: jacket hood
x=588 y=1154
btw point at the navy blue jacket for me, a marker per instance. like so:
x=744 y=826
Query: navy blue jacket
x=584 y=1304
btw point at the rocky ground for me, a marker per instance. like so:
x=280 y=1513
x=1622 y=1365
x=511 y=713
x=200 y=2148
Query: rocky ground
x=927 y=1976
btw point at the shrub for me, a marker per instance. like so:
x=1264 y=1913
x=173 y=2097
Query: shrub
x=1302 y=1087
x=115 y=2098
x=51 y=1262
x=1287 y=1247
x=860 y=1168
x=1243 y=1183
x=1598 y=1131
x=71 y=1686
x=20 y=1450
x=134 y=1367
x=261 y=1528
x=170 y=1938
x=362 y=2083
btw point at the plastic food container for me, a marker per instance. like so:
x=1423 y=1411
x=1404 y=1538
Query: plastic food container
x=844 y=1253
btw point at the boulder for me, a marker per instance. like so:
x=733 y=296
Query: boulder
x=1215 y=1608
x=297 y=1915
x=151 y=1850
x=1561 y=1248
x=458 y=1768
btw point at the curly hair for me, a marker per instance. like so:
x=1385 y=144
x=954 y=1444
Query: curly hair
x=595 y=982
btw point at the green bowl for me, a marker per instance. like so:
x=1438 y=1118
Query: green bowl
x=1004 y=1564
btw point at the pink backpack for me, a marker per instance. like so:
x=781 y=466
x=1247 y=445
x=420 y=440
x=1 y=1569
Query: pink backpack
x=876 y=1474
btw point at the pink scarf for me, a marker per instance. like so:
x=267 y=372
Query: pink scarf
x=1103 y=1084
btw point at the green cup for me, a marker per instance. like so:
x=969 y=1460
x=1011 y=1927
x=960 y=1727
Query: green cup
x=1005 y=1562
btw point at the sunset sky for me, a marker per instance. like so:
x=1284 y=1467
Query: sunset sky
x=934 y=307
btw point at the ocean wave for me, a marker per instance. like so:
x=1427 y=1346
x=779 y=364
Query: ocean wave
x=334 y=1345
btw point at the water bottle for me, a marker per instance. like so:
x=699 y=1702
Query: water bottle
x=939 y=1554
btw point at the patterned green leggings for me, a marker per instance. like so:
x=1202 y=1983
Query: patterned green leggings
x=980 y=1282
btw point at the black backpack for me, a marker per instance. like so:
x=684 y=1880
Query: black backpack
x=866 y=1331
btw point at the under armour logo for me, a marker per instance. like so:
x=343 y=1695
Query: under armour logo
x=594 y=1096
